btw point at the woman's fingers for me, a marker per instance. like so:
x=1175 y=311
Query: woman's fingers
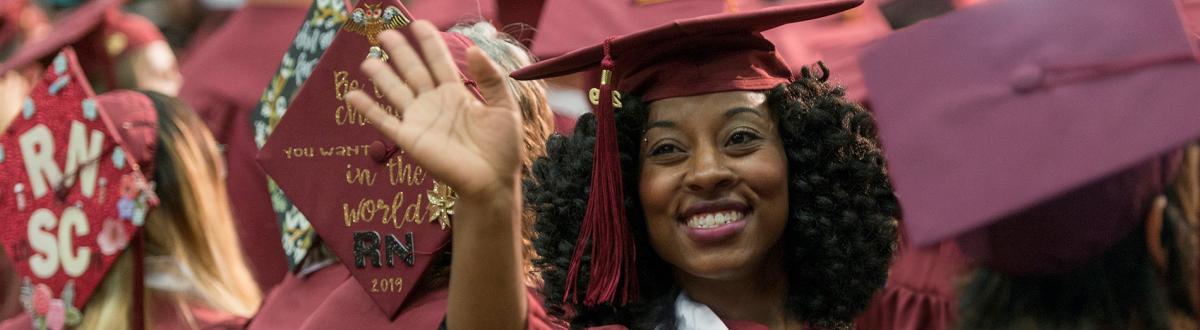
x=441 y=64
x=386 y=82
x=406 y=61
x=387 y=124
x=489 y=79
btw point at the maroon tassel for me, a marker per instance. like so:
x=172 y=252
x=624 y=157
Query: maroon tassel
x=604 y=225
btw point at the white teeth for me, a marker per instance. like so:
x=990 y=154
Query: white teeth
x=713 y=220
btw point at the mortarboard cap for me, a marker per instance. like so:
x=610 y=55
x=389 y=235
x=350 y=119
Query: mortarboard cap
x=382 y=215
x=316 y=33
x=99 y=31
x=1189 y=11
x=74 y=188
x=686 y=57
x=568 y=25
x=10 y=20
x=1040 y=125
x=444 y=14
x=836 y=41
x=520 y=19
x=692 y=56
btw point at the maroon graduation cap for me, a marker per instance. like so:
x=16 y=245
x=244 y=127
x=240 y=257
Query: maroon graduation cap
x=835 y=40
x=686 y=57
x=446 y=13
x=570 y=24
x=10 y=21
x=73 y=188
x=1189 y=10
x=99 y=31
x=381 y=214
x=1036 y=127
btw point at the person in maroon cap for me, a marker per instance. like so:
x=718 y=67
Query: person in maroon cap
x=118 y=50
x=224 y=78
x=111 y=221
x=753 y=198
x=476 y=149
x=1053 y=153
x=20 y=22
x=319 y=292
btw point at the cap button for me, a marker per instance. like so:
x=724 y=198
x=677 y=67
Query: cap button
x=1027 y=78
x=379 y=151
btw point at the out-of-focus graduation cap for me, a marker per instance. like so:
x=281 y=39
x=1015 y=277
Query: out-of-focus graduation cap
x=836 y=41
x=1034 y=129
x=685 y=57
x=1190 y=11
x=518 y=18
x=316 y=33
x=74 y=188
x=12 y=14
x=446 y=13
x=99 y=31
x=382 y=215
x=568 y=25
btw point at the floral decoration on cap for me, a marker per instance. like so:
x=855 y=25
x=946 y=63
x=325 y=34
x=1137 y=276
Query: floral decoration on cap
x=73 y=198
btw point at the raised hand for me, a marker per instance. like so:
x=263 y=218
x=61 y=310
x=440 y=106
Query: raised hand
x=476 y=149
x=472 y=146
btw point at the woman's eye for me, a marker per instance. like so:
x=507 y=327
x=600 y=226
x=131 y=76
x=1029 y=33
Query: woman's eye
x=741 y=137
x=664 y=149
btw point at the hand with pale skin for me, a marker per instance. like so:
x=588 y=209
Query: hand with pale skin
x=474 y=147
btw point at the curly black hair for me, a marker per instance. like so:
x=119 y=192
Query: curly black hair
x=839 y=239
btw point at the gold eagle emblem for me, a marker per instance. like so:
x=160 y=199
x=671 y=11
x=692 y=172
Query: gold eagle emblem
x=371 y=20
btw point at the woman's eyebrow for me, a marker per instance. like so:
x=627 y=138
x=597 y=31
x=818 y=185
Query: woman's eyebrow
x=735 y=111
x=660 y=124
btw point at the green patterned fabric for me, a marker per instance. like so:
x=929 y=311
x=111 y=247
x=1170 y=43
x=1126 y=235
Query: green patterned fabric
x=324 y=19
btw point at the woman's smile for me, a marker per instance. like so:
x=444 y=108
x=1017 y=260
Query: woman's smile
x=711 y=222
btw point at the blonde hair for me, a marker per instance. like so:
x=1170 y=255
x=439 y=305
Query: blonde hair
x=538 y=121
x=537 y=125
x=510 y=55
x=191 y=234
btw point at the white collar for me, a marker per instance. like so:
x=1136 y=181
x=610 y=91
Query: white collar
x=691 y=315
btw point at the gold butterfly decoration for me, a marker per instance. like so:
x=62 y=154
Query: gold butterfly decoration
x=441 y=203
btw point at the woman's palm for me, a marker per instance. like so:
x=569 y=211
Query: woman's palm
x=470 y=145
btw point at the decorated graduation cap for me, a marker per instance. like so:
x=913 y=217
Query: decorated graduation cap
x=322 y=22
x=74 y=189
x=381 y=214
x=686 y=57
x=99 y=32
x=1036 y=130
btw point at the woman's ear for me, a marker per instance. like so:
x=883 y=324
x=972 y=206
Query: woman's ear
x=1154 y=228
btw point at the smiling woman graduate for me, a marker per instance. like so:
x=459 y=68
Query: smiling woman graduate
x=736 y=194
